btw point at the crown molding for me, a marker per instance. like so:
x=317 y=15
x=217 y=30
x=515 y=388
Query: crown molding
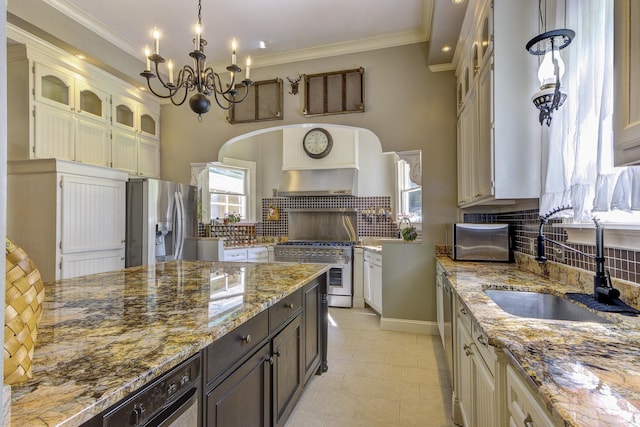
x=96 y=26
x=336 y=49
x=436 y=68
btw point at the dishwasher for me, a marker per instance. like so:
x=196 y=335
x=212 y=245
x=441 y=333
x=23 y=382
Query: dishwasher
x=172 y=400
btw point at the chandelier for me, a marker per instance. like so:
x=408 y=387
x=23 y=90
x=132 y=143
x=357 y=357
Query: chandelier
x=548 y=44
x=198 y=78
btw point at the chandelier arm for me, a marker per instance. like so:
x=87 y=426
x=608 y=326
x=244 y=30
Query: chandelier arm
x=160 y=76
x=215 y=77
x=159 y=95
x=229 y=105
x=186 y=91
x=190 y=81
x=246 y=93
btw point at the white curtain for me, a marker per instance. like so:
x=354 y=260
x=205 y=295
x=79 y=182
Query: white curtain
x=577 y=149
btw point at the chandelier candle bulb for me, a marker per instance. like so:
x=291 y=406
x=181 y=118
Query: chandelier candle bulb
x=170 y=67
x=147 y=53
x=198 y=32
x=248 y=70
x=156 y=40
x=233 y=52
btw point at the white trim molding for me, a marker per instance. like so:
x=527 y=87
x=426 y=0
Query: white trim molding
x=406 y=325
x=623 y=236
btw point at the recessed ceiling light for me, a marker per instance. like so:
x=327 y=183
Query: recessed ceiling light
x=263 y=44
x=457 y=1
x=446 y=48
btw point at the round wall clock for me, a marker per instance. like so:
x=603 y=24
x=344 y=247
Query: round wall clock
x=317 y=143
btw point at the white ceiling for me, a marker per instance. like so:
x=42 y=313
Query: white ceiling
x=292 y=29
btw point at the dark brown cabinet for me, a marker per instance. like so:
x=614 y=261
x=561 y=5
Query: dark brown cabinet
x=287 y=370
x=243 y=398
x=255 y=374
x=312 y=321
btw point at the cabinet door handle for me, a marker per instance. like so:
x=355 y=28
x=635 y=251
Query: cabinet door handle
x=482 y=340
x=467 y=349
x=289 y=306
x=277 y=353
x=247 y=339
x=463 y=311
x=528 y=422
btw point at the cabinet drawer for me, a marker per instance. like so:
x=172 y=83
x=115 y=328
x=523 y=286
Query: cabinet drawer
x=524 y=410
x=230 y=348
x=463 y=314
x=255 y=253
x=486 y=351
x=284 y=309
x=235 y=255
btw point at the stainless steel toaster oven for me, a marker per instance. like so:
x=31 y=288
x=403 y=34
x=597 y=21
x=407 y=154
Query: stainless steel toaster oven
x=480 y=242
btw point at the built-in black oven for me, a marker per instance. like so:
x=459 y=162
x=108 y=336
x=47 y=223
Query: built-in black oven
x=172 y=400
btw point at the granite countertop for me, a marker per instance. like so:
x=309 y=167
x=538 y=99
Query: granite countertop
x=588 y=374
x=103 y=336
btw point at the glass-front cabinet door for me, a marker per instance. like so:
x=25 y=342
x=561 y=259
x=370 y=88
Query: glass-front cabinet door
x=149 y=123
x=92 y=143
x=54 y=87
x=124 y=113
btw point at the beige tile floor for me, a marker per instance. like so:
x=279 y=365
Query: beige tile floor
x=376 y=378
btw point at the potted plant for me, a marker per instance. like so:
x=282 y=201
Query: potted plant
x=231 y=217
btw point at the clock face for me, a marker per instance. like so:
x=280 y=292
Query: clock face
x=317 y=143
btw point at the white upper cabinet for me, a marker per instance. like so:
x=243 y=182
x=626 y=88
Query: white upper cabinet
x=60 y=107
x=70 y=117
x=135 y=137
x=498 y=130
x=627 y=82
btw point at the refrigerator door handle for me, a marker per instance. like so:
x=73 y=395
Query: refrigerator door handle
x=179 y=225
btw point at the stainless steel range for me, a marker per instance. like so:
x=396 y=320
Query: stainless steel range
x=337 y=254
x=323 y=236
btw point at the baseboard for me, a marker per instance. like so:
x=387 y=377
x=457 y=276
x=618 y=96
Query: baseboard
x=358 y=302
x=406 y=325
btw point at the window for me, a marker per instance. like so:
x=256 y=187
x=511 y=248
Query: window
x=410 y=192
x=578 y=166
x=227 y=191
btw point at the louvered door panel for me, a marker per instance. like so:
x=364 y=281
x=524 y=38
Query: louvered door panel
x=93 y=214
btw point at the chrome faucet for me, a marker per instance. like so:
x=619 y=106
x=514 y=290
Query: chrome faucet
x=603 y=291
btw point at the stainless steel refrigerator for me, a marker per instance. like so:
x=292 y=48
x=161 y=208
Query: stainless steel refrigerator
x=161 y=221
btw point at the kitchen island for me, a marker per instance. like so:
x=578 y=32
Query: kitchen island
x=583 y=373
x=104 y=336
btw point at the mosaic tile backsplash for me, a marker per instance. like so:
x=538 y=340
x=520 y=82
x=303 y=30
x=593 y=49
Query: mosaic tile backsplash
x=373 y=218
x=621 y=263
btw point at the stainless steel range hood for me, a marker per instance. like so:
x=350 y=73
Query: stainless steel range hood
x=319 y=182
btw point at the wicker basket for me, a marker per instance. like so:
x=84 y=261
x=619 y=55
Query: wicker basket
x=24 y=295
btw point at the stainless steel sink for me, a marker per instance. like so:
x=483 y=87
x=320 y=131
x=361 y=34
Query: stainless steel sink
x=539 y=305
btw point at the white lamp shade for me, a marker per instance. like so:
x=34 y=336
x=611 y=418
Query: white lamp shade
x=546 y=73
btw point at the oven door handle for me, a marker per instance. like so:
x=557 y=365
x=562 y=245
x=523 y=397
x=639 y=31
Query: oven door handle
x=176 y=409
